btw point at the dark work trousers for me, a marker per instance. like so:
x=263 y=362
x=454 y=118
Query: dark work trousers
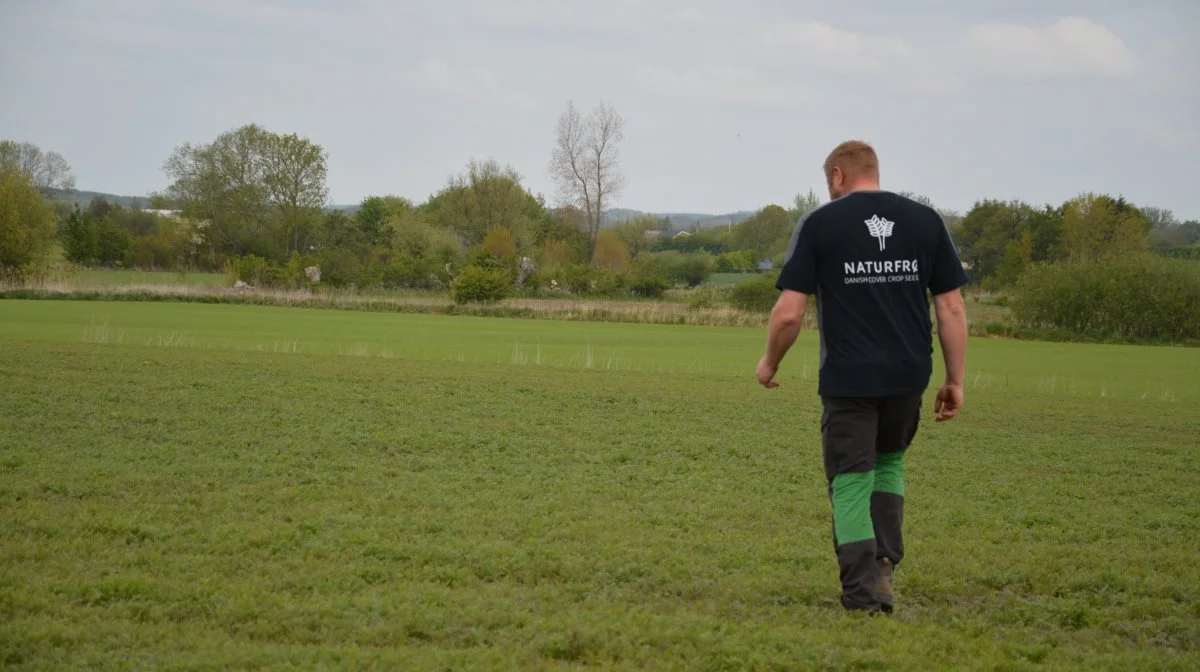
x=864 y=440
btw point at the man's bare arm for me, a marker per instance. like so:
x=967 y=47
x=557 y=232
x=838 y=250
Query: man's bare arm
x=786 y=318
x=952 y=333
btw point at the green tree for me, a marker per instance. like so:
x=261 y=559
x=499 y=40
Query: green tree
x=376 y=212
x=997 y=234
x=742 y=261
x=632 y=232
x=160 y=201
x=556 y=254
x=693 y=269
x=139 y=223
x=1097 y=225
x=100 y=207
x=949 y=217
x=499 y=241
x=294 y=173
x=765 y=234
x=483 y=197
x=611 y=252
x=564 y=225
x=339 y=230
x=79 y=238
x=167 y=249
x=259 y=191
x=26 y=221
x=112 y=242
x=803 y=203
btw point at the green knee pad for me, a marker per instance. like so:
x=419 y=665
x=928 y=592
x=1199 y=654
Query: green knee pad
x=852 y=507
x=889 y=473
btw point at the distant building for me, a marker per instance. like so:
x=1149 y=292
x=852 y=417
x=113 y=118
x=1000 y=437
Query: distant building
x=766 y=265
x=164 y=213
x=653 y=234
x=682 y=234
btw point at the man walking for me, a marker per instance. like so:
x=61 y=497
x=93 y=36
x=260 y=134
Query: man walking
x=869 y=256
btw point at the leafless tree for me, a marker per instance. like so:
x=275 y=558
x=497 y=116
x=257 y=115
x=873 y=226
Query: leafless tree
x=47 y=170
x=585 y=161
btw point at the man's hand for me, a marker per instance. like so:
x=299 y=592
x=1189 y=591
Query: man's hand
x=766 y=374
x=949 y=402
x=786 y=318
x=952 y=332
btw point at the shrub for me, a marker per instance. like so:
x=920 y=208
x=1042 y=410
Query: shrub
x=499 y=241
x=611 y=252
x=1138 y=296
x=692 y=269
x=371 y=270
x=756 y=296
x=556 y=254
x=607 y=282
x=741 y=261
x=155 y=251
x=648 y=278
x=477 y=284
x=650 y=287
x=533 y=284
x=482 y=257
x=577 y=278
x=709 y=297
x=250 y=269
x=292 y=275
x=1188 y=252
x=340 y=268
x=407 y=272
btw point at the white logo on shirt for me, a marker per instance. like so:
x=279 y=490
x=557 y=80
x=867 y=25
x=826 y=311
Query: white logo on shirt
x=880 y=228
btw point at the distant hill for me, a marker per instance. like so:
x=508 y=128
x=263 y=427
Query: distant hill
x=680 y=220
x=83 y=198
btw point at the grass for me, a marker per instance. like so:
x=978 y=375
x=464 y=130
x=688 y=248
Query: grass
x=563 y=309
x=103 y=278
x=678 y=307
x=209 y=486
x=723 y=279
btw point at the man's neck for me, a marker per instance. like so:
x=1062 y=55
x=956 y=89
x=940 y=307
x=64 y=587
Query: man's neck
x=863 y=186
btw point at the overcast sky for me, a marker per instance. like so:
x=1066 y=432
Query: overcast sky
x=728 y=105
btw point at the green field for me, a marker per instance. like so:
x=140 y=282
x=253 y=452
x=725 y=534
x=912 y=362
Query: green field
x=731 y=278
x=218 y=486
x=108 y=278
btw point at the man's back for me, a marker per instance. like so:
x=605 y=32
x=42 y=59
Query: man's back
x=869 y=257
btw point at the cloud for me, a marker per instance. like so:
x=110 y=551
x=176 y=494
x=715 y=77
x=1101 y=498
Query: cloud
x=1071 y=46
x=722 y=84
x=476 y=85
x=833 y=48
x=616 y=17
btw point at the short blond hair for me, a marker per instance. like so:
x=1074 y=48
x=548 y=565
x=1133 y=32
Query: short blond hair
x=856 y=158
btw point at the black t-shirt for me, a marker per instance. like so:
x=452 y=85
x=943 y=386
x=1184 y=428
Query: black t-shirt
x=869 y=258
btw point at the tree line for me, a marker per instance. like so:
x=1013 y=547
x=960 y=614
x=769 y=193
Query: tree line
x=253 y=203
